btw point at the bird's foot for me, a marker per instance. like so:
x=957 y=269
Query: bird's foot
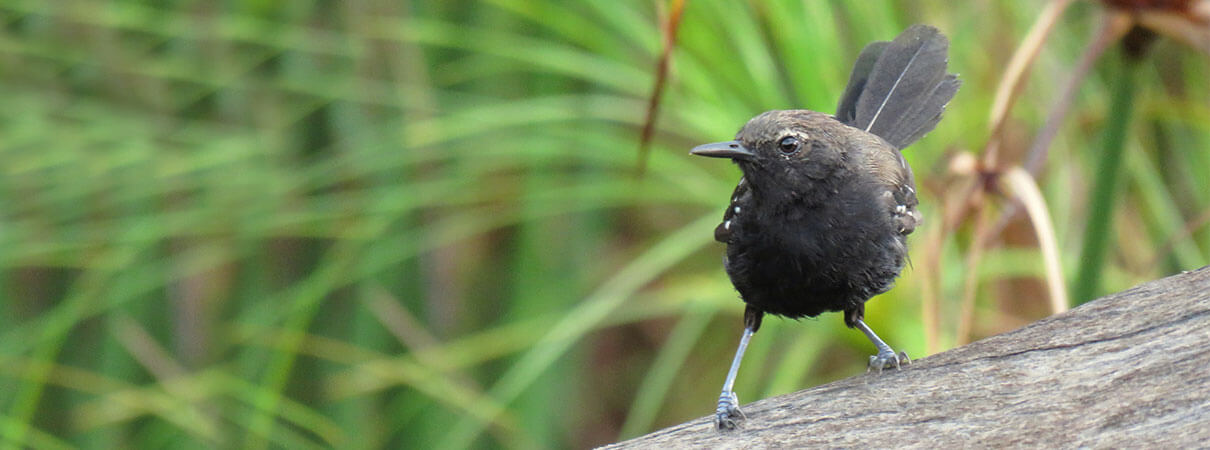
x=728 y=416
x=886 y=359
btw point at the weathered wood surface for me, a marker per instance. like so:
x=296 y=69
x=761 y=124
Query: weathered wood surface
x=1131 y=370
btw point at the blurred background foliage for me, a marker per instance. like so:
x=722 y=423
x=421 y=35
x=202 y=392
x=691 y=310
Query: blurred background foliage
x=373 y=223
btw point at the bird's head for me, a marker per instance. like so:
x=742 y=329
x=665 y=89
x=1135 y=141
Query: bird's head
x=789 y=150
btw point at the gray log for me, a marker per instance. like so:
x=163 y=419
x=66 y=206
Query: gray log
x=1128 y=370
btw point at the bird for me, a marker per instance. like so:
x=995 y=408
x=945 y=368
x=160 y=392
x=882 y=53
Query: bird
x=819 y=219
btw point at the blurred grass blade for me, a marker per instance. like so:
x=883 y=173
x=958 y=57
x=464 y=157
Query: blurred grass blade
x=668 y=364
x=579 y=320
x=19 y=432
x=1105 y=185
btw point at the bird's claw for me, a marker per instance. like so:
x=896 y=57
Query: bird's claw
x=728 y=416
x=887 y=359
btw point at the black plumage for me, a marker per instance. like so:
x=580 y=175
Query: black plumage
x=819 y=220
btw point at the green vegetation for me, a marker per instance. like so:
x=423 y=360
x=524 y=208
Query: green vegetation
x=369 y=224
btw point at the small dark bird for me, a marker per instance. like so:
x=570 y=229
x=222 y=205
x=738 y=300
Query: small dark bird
x=820 y=218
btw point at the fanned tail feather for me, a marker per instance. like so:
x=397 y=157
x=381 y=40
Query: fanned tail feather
x=846 y=111
x=899 y=89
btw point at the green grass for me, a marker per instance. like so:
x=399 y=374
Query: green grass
x=369 y=224
x=1105 y=186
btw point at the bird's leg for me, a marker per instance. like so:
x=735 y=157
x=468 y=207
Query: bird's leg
x=728 y=415
x=886 y=357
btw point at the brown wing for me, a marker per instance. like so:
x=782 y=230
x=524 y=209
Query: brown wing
x=740 y=197
x=892 y=172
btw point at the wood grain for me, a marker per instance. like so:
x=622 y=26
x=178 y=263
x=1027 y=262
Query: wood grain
x=1128 y=370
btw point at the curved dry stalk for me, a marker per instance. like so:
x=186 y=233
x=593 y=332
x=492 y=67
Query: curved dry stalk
x=953 y=210
x=930 y=296
x=1190 y=25
x=1113 y=27
x=1007 y=92
x=982 y=236
x=1013 y=81
x=1022 y=186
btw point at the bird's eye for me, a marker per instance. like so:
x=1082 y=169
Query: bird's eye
x=788 y=145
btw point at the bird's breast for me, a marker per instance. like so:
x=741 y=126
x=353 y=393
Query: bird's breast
x=835 y=252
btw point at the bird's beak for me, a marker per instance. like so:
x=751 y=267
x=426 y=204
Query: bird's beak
x=728 y=149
